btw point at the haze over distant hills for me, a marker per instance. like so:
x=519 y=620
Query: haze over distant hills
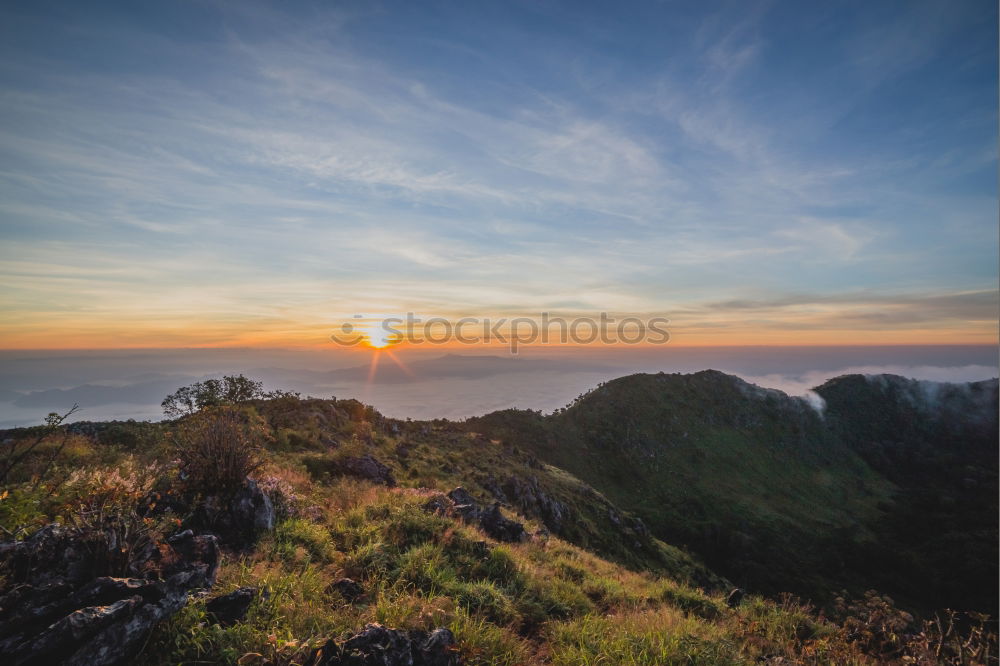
x=428 y=383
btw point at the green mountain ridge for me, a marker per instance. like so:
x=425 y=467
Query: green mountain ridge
x=779 y=496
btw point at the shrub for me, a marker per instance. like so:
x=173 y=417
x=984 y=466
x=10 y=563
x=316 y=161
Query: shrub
x=283 y=497
x=21 y=510
x=219 y=448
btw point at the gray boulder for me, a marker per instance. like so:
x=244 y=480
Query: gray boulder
x=53 y=609
x=238 y=518
x=368 y=467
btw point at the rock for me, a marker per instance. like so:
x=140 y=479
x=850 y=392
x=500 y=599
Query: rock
x=253 y=507
x=527 y=495
x=464 y=506
x=231 y=608
x=501 y=528
x=119 y=643
x=54 y=609
x=438 y=649
x=177 y=554
x=481 y=549
x=156 y=503
x=376 y=645
x=367 y=467
x=59 y=642
x=239 y=518
x=460 y=496
x=460 y=503
x=638 y=526
x=348 y=589
x=53 y=553
x=439 y=504
x=614 y=517
x=735 y=597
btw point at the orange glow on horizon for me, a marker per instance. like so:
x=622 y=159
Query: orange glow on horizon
x=199 y=333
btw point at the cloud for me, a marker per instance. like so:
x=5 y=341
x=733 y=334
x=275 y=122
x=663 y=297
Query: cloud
x=826 y=239
x=287 y=164
x=802 y=384
x=855 y=310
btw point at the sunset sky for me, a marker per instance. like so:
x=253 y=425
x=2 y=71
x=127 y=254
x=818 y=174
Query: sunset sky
x=251 y=174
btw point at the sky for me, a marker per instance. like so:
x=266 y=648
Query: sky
x=234 y=174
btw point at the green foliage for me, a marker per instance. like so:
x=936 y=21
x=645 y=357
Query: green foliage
x=17 y=450
x=294 y=533
x=485 y=644
x=21 y=510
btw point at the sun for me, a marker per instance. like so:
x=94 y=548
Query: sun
x=378 y=338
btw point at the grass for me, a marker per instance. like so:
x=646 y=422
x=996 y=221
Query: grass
x=578 y=599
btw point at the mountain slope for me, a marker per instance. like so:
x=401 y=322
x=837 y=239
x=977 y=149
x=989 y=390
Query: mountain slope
x=345 y=525
x=765 y=489
x=938 y=443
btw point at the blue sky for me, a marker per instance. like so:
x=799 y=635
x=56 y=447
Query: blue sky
x=246 y=173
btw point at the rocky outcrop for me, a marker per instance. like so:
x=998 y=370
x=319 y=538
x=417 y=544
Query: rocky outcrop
x=527 y=495
x=59 y=605
x=460 y=503
x=368 y=467
x=238 y=518
x=376 y=645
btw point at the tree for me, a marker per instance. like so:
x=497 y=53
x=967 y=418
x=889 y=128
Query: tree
x=181 y=402
x=230 y=390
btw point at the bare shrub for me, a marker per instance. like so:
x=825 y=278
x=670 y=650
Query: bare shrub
x=219 y=447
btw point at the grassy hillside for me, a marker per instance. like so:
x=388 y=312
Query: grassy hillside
x=767 y=490
x=590 y=586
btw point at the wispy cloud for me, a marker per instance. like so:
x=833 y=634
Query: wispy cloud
x=275 y=163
